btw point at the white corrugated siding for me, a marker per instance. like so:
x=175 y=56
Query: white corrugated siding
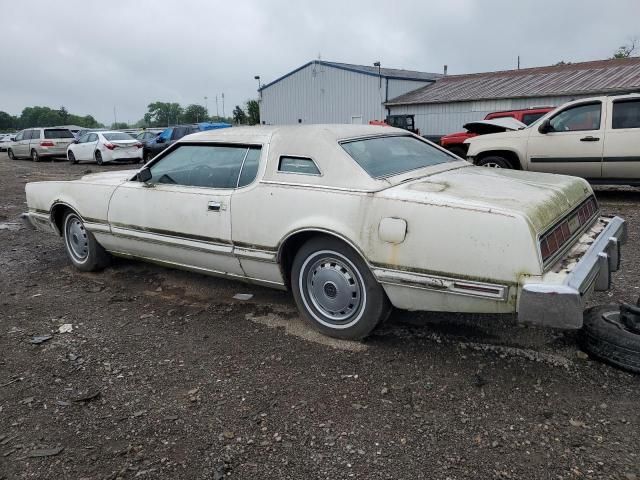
x=322 y=94
x=443 y=118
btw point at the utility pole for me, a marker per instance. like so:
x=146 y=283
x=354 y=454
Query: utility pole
x=223 y=105
x=206 y=104
x=217 y=111
x=115 y=119
x=518 y=62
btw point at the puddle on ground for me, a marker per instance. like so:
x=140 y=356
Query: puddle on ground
x=11 y=226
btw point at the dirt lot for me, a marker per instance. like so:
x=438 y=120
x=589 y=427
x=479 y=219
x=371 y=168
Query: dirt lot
x=166 y=376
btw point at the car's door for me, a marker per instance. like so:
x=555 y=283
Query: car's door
x=17 y=143
x=182 y=215
x=78 y=148
x=573 y=145
x=23 y=145
x=621 y=158
x=91 y=145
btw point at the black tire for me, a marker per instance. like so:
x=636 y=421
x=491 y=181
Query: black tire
x=494 y=161
x=346 y=283
x=34 y=155
x=71 y=157
x=459 y=151
x=609 y=340
x=147 y=157
x=11 y=155
x=83 y=250
x=98 y=157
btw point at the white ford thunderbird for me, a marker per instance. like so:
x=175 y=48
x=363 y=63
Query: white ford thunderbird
x=353 y=219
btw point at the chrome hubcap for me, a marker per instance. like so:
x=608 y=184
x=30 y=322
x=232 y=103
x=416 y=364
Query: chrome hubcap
x=334 y=289
x=76 y=237
x=492 y=165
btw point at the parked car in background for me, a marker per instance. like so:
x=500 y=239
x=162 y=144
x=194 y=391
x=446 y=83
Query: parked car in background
x=170 y=135
x=146 y=135
x=353 y=219
x=37 y=143
x=5 y=140
x=454 y=142
x=105 y=147
x=594 y=138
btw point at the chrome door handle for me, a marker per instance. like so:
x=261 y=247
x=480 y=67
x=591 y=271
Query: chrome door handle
x=213 y=206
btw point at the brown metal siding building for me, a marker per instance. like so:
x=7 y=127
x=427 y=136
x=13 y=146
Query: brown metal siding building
x=444 y=106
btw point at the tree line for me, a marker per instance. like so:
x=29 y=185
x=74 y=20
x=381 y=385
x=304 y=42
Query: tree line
x=159 y=114
x=45 y=117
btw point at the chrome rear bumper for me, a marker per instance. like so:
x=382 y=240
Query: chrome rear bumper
x=560 y=305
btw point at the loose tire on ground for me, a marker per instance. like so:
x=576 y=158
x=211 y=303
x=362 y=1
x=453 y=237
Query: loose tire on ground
x=494 y=161
x=335 y=290
x=609 y=340
x=81 y=246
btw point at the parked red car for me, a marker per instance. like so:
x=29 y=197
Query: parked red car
x=454 y=142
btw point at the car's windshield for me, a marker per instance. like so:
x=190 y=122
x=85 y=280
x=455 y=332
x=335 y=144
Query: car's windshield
x=117 y=136
x=392 y=155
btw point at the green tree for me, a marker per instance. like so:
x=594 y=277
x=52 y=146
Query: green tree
x=64 y=114
x=119 y=125
x=163 y=113
x=195 y=113
x=8 y=122
x=253 y=112
x=628 y=50
x=239 y=116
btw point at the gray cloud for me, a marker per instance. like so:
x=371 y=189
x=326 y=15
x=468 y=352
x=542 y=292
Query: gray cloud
x=92 y=56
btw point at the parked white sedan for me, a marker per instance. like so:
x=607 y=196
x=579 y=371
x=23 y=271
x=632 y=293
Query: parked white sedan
x=353 y=219
x=104 y=147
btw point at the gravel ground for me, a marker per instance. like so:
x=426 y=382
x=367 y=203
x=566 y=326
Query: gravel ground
x=166 y=376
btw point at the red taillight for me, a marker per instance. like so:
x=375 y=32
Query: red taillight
x=109 y=146
x=47 y=143
x=556 y=238
x=138 y=145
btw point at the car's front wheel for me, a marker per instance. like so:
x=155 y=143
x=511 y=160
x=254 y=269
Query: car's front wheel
x=494 y=161
x=98 y=157
x=83 y=250
x=335 y=290
x=71 y=157
x=11 y=155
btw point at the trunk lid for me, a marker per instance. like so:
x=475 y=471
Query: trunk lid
x=542 y=198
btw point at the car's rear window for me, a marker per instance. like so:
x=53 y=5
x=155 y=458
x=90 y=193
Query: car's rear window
x=117 y=136
x=387 y=156
x=58 y=133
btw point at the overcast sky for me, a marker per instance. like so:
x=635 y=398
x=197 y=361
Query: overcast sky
x=92 y=56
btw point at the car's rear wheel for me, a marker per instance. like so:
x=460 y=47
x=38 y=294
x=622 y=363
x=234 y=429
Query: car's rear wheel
x=335 y=290
x=11 y=155
x=34 y=155
x=607 y=336
x=98 y=157
x=83 y=250
x=147 y=156
x=494 y=162
x=71 y=157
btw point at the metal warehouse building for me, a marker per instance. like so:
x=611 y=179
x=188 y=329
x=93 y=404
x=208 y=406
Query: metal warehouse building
x=445 y=106
x=330 y=92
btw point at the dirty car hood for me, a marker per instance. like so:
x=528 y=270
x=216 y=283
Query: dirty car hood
x=112 y=178
x=540 y=197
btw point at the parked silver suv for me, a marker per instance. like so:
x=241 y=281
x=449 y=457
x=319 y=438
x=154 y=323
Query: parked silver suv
x=36 y=143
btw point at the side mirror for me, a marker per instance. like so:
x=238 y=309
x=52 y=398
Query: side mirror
x=144 y=175
x=76 y=141
x=545 y=126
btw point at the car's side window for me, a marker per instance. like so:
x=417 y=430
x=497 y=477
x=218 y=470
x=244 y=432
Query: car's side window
x=84 y=138
x=302 y=165
x=93 y=137
x=250 y=167
x=578 y=118
x=529 y=118
x=626 y=114
x=27 y=135
x=209 y=166
x=19 y=136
